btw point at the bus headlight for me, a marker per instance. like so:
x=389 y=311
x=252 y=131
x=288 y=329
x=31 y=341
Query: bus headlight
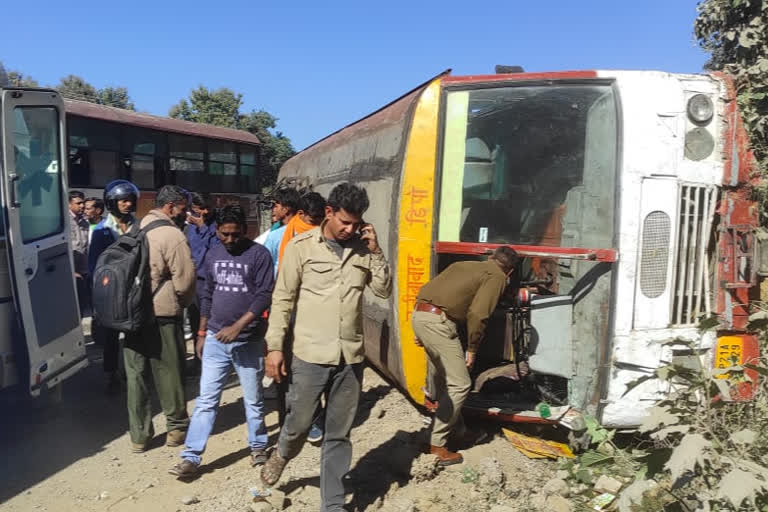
x=699 y=144
x=700 y=109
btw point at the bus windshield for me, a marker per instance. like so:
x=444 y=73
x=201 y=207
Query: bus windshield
x=531 y=165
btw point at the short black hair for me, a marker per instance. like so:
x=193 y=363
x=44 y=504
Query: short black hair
x=231 y=214
x=507 y=256
x=313 y=205
x=349 y=197
x=201 y=199
x=76 y=194
x=97 y=203
x=288 y=197
x=171 y=194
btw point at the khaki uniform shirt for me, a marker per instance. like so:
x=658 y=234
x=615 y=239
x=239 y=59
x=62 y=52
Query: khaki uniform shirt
x=325 y=292
x=467 y=291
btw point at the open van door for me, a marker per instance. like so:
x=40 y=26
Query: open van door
x=36 y=224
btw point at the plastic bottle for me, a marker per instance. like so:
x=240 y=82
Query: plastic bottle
x=543 y=409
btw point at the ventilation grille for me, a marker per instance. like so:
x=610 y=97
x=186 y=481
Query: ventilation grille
x=654 y=259
x=692 y=291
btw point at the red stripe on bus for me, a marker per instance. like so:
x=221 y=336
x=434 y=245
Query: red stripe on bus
x=606 y=255
x=554 y=75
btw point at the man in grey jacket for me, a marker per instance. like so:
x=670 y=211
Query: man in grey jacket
x=159 y=347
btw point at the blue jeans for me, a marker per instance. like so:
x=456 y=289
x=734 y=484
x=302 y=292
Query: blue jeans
x=218 y=358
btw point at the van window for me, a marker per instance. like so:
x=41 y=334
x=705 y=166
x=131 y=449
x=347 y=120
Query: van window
x=37 y=158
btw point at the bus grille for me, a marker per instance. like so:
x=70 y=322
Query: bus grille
x=692 y=287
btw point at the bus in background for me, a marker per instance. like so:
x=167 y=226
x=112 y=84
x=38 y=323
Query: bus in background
x=107 y=143
x=41 y=341
x=627 y=192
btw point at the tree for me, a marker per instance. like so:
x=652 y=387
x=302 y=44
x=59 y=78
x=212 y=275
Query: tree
x=276 y=147
x=735 y=33
x=16 y=78
x=221 y=107
x=74 y=87
x=116 y=97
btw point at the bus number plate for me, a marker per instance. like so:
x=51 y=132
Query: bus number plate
x=728 y=353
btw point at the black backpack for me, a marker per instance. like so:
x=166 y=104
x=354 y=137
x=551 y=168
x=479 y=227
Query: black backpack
x=122 y=295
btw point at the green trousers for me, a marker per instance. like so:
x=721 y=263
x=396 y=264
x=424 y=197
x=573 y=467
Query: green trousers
x=158 y=348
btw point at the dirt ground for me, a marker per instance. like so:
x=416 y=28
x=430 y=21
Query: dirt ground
x=74 y=456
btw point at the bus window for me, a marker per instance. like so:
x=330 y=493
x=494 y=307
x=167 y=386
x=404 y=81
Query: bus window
x=529 y=165
x=37 y=162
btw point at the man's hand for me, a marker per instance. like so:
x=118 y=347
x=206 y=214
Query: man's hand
x=195 y=221
x=368 y=235
x=418 y=342
x=470 y=359
x=199 y=346
x=276 y=366
x=228 y=334
x=78 y=275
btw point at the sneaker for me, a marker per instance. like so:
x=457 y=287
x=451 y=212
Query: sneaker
x=258 y=457
x=184 y=469
x=315 y=433
x=175 y=438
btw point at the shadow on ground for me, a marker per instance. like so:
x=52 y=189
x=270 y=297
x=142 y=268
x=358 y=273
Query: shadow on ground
x=39 y=437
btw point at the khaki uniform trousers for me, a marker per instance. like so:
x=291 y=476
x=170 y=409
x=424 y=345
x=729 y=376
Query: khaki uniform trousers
x=451 y=383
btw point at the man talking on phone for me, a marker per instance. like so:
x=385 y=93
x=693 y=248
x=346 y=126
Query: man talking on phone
x=322 y=276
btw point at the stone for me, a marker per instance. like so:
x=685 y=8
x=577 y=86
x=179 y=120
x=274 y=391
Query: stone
x=377 y=412
x=103 y=495
x=190 y=500
x=608 y=484
x=277 y=499
x=558 y=504
x=491 y=473
x=562 y=474
x=261 y=506
x=556 y=487
x=502 y=508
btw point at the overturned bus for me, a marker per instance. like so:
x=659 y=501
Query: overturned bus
x=627 y=192
x=41 y=341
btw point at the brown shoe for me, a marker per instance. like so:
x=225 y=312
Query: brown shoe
x=273 y=468
x=138 y=447
x=184 y=469
x=445 y=457
x=175 y=438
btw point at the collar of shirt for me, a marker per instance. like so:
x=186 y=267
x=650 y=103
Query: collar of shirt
x=113 y=224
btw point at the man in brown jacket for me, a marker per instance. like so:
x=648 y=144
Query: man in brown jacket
x=159 y=348
x=466 y=292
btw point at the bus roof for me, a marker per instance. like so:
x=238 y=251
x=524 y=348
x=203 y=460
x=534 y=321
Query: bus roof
x=131 y=118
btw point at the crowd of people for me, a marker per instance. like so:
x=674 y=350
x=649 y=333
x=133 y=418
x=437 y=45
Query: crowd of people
x=286 y=305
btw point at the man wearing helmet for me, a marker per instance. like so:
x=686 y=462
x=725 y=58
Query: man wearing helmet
x=120 y=198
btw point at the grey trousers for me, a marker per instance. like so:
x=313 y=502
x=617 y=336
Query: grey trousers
x=307 y=382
